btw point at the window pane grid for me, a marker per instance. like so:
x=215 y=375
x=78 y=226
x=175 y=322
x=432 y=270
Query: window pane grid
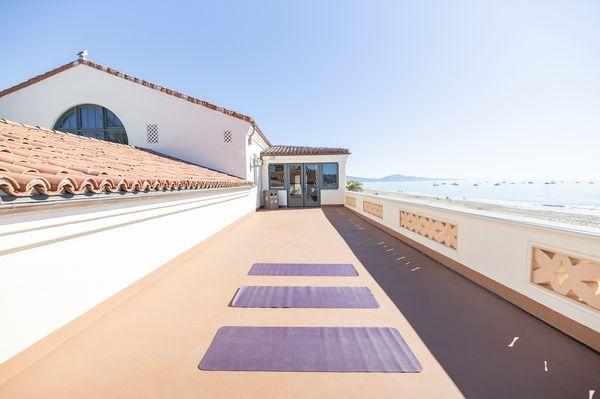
x=93 y=121
x=330 y=176
x=276 y=176
x=326 y=175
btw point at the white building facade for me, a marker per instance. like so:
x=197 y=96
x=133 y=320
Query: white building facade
x=89 y=99
x=153 y=117
x=305 y=176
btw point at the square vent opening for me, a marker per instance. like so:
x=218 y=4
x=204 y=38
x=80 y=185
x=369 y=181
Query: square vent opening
x=152 y=133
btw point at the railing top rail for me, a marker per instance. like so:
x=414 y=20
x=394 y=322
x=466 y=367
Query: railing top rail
x=500 y=217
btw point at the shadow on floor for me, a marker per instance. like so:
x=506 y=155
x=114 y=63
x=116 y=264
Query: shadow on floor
x=467 y=328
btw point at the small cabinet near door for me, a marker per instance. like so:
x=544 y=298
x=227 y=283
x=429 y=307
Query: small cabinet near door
x=270 y=199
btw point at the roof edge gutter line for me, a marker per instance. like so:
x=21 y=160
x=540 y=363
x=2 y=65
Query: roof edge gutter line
x=29 y=202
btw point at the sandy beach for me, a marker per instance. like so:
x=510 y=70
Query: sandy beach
x=583 y=218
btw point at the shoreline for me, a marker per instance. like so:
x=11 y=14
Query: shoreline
x=581 y=217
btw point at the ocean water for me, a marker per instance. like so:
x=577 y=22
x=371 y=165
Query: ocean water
x=581 y=195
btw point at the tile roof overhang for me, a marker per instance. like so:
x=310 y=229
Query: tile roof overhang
x=37 y=160
x=290 y=150
x=142 y=82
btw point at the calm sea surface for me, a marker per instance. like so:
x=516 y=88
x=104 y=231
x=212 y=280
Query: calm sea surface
x=569 y=194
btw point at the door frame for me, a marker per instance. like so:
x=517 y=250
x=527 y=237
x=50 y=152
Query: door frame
x=294 y=202
x=317 y=184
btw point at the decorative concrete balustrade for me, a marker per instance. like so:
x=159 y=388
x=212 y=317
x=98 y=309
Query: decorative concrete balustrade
x=568 y=275
x=441 y=232
x=351 y=201
x=496 y=252
x=373 y=209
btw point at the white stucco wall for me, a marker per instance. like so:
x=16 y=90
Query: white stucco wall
x=186 y=130
x=499 y=247
x=255 y=147
x=57 y=265
x=329 y=196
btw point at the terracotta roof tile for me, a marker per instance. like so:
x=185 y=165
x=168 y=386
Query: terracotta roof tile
x=142 y=82
x=281 y=150
x=53 y=163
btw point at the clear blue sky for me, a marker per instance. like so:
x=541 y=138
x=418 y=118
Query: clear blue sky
x=459 y=89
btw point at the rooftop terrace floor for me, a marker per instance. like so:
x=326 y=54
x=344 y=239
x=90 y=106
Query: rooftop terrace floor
x=147 y=341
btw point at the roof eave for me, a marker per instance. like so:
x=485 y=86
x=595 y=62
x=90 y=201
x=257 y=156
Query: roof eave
x=260 y=133
x=304 y=154
x=291 y=151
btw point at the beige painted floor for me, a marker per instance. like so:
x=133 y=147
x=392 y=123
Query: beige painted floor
x=149 y=345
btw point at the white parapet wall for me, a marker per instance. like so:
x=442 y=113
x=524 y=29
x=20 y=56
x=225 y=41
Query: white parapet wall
x=59 y=262
x=554 y=265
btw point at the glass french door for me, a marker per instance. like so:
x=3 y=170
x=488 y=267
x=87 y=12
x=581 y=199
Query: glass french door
x=296 y=188
x=303 y=185
x=311 y=186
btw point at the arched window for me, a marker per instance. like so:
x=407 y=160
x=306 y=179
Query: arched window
x=91 y=120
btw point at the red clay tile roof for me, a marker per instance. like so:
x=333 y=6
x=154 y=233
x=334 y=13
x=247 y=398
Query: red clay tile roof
x=280 y=150
x=142 y=82
x=54 y=162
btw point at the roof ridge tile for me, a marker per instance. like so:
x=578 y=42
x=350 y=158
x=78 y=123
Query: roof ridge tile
x=281 y=150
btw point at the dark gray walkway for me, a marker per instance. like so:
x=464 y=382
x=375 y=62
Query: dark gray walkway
x=468 y=328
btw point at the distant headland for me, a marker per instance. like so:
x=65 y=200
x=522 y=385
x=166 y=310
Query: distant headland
x=392 y=178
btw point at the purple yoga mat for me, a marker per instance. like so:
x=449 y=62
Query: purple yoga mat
x=302 y=269
x=341 y=349
x=303 y=297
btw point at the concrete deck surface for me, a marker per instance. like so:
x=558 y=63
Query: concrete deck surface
x=147 y=342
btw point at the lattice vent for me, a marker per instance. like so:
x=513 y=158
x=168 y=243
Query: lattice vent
x=571 y=276
x=152 y=133
x=373 y=209
x=351 y=201
x=436 y=230
x=227 y=136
